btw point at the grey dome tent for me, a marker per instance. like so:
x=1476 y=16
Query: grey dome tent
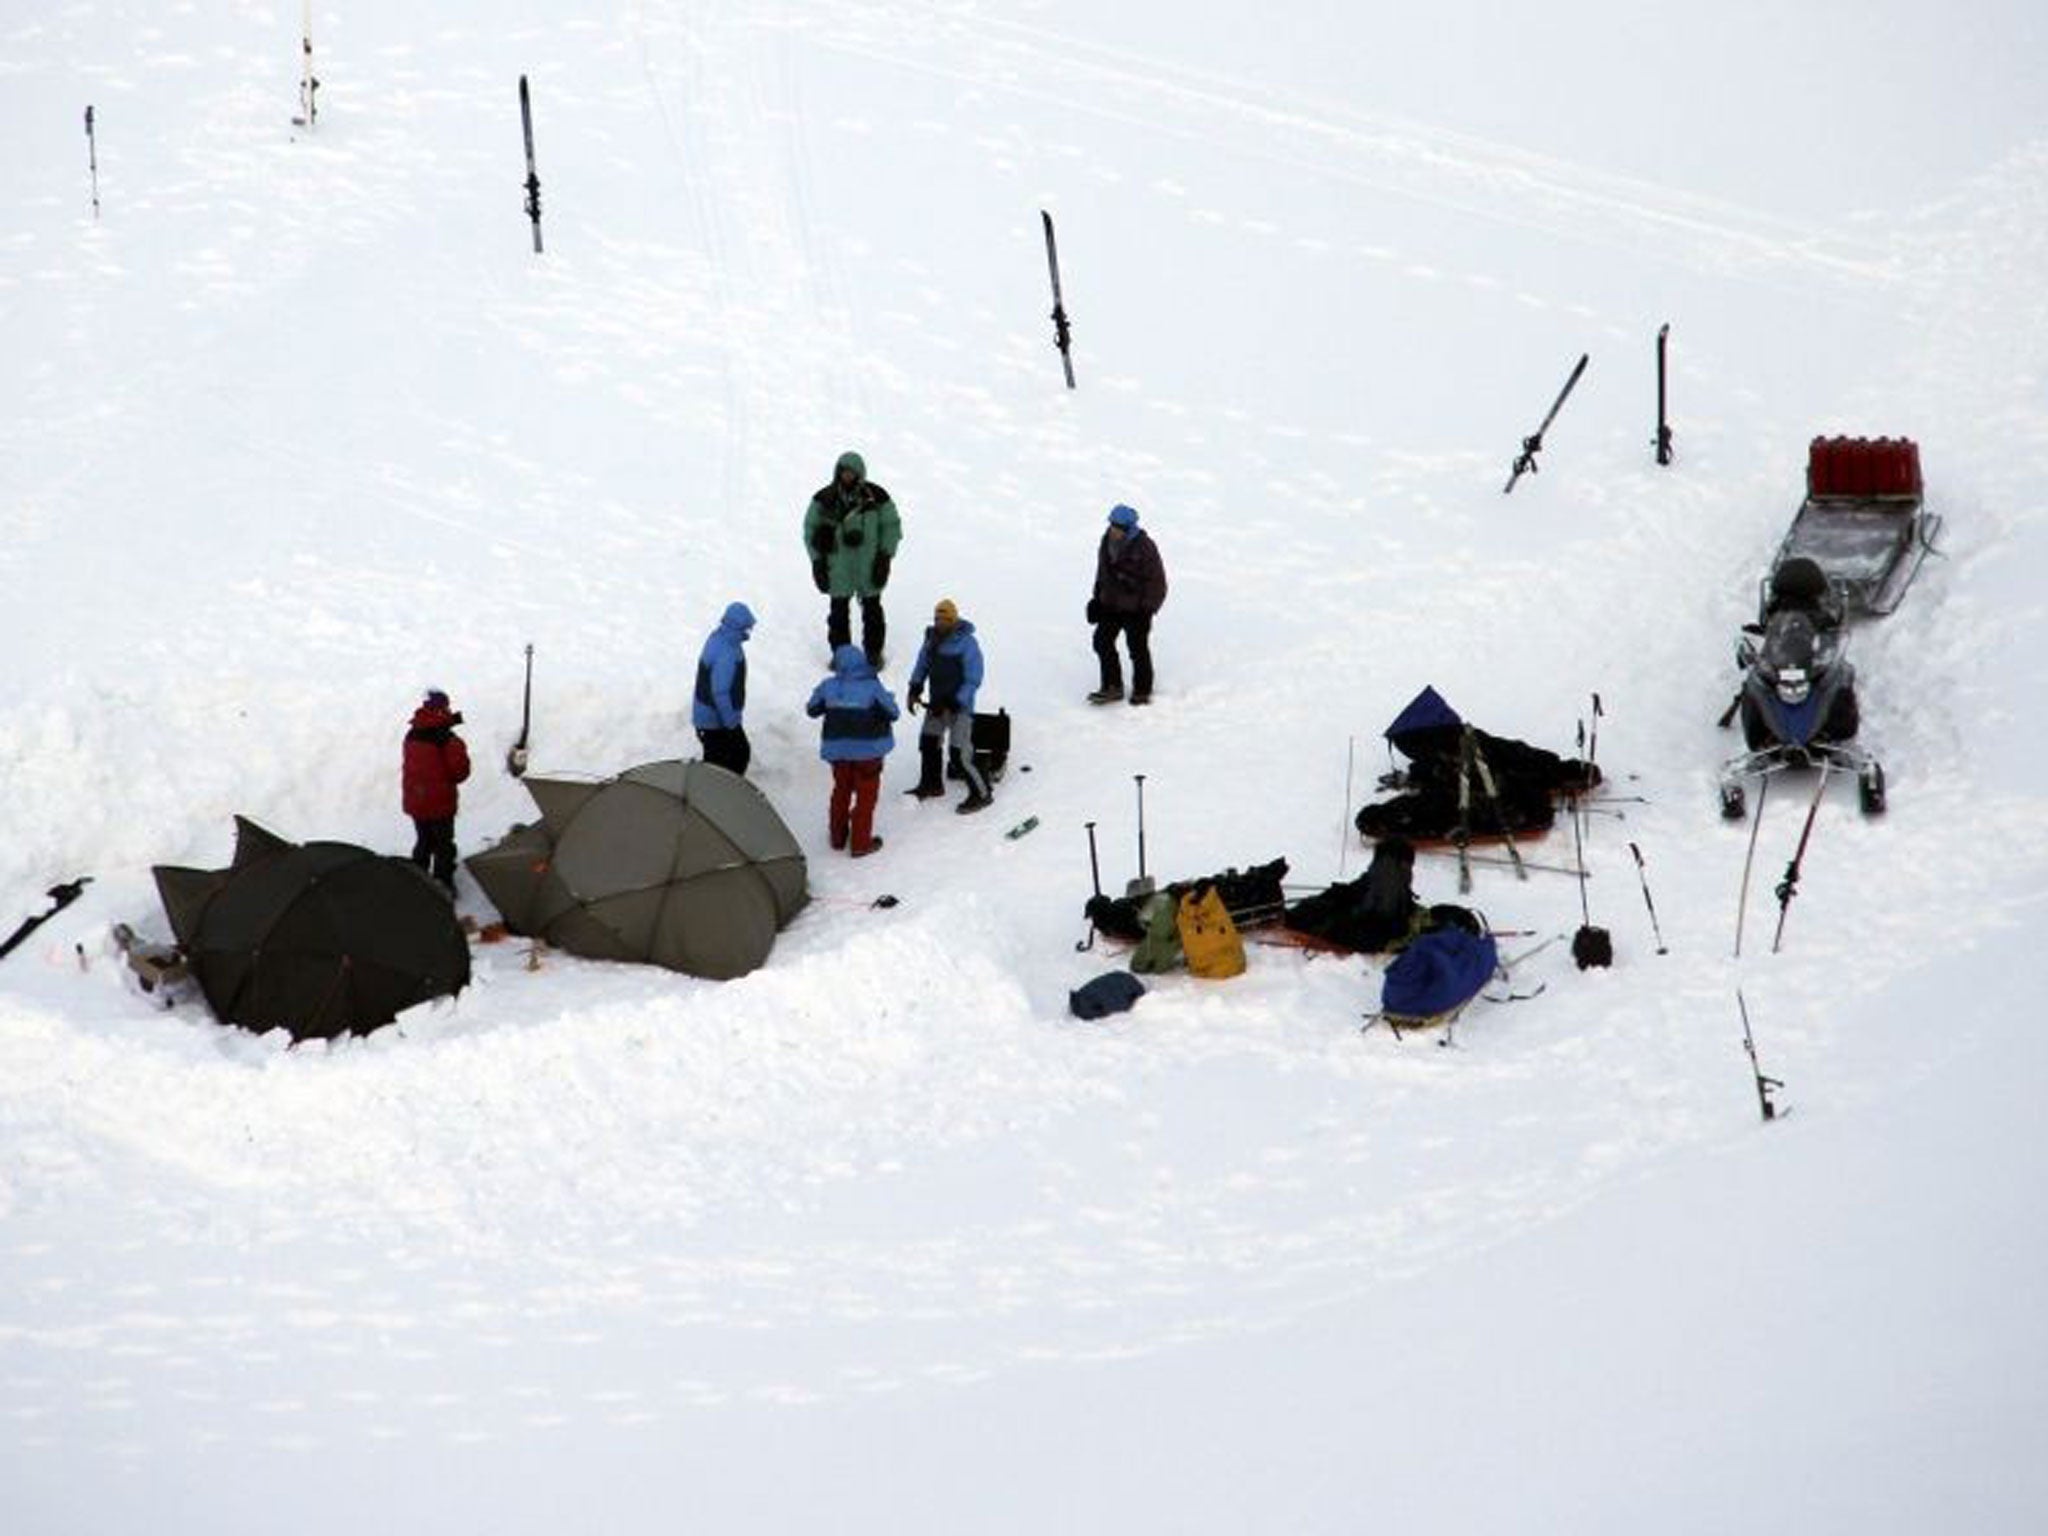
x=320 y=938
x=677 y=864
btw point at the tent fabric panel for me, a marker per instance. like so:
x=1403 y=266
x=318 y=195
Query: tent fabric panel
x=622 y=839
x=559 y=800
x=717 y=926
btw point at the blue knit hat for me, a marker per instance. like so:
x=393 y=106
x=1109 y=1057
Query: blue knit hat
x=1123 y=516
x=435 y=699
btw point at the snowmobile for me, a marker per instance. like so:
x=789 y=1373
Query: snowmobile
x=1798 y=700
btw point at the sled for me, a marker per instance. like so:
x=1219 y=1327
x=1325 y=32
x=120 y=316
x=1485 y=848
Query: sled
x=1864 y=521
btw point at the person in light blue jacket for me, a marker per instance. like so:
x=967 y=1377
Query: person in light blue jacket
x=950 y=661
x=857 y=711
x=719 y=708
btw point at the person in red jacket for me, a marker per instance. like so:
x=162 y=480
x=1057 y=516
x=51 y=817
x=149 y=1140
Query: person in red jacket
x=436 y=760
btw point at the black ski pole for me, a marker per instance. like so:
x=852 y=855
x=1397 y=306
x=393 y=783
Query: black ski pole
x=1525 y=462
x=1062 y=332
x=1789 y=886
x=92 y=159
x=1643 y=877
x=309 y=86
x=1592 y=948
x=1095 y=880
x=532 y=176
x=1593 y=751
x=1663 y=425
x=1764 y=1085
x=515 y=760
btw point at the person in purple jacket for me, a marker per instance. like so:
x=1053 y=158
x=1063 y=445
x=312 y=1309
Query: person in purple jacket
x=1130 y=587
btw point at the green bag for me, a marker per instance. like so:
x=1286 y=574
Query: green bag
x=1160 y=949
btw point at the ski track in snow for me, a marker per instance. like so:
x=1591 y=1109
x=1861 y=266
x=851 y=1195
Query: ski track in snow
x=477 y=1227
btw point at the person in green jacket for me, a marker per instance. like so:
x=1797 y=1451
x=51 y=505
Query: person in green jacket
x=851 y=530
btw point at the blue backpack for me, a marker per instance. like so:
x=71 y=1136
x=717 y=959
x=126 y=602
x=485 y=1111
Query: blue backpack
x=1438 y=973
x=1111 y=992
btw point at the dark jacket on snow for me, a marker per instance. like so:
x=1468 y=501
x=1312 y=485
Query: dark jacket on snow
x=1130 y=578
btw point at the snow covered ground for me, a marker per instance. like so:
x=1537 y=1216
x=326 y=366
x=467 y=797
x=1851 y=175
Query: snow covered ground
x=879 y=1238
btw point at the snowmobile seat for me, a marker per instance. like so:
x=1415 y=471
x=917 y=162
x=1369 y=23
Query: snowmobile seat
x=1799 y=585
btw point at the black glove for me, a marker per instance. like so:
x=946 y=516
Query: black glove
x=916 y=701
x=818 y=577
x=1094 y=610
x=881 y=571
x=823 y=537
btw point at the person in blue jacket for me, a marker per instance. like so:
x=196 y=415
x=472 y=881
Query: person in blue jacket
x=950 y=662
x=857 y=710
x=719 y=709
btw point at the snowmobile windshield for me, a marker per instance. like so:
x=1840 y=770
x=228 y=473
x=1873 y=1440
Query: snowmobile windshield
x=1791 y=656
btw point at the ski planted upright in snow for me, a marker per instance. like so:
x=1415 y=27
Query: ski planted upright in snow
x=515 y=759
x=1062 y=333
x=1663 y=423
x=92 y=160
x=309 y=84
x=532 y=176
x=1525 y=462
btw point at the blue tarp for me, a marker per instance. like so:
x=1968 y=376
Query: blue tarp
x=1438 y=971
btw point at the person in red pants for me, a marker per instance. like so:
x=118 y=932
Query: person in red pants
x=858 y=714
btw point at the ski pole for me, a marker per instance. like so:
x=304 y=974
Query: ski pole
x=92 y=159
x=1095 y=880
x=1789 y=886
x=1642 y=875
x=1500 y=812
x=1764 y=1085
x=1592 y=948
x=1141 y=825
x=1593 y=751
x=1344 y=820
x=1763 y=789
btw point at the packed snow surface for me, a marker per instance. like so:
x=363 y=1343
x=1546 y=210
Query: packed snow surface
x=879 y=1238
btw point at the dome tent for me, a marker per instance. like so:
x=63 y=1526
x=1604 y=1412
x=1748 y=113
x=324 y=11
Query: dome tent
x=676 y=864
x=320 y=938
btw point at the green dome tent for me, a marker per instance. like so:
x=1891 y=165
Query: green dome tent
x=677 y=864
x=319 y=938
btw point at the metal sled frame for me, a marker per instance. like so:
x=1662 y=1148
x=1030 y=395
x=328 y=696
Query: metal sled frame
x=1870 y=548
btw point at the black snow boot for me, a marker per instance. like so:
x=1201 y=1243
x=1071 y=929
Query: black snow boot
x=931 y=781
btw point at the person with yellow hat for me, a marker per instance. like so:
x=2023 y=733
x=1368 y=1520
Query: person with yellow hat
x=949 y=662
